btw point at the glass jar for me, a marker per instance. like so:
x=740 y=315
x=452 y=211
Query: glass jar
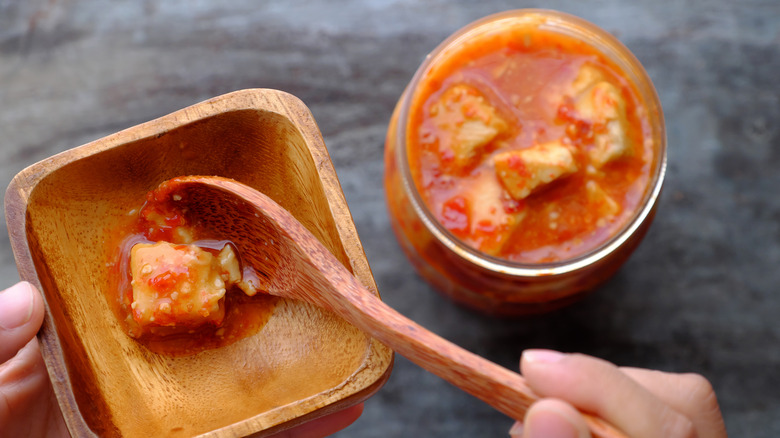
x=498 y=286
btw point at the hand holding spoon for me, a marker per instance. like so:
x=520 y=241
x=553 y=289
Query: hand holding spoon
x=294 y=264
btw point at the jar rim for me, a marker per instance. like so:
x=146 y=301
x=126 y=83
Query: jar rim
x=609 y=46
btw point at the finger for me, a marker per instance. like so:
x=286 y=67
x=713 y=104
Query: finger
x=690 y=394
x=21 y=315
x=324 y=426
x=598 y=387
x=25 y=388
x=551 y=418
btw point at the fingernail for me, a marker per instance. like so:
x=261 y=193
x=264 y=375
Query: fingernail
x=517 y=430
x=550 y=424
x=16 y=305
x=543 y=356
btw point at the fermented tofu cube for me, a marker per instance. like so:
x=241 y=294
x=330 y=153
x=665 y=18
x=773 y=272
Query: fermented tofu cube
x=586 y=77
x=523 y=171
x=600 y=203
x=600 y=103
x=480 y=214
x=465 y=123
x=231 y=271
x=177 y=285
x=610 y=144
x=491 y=224
x=229 y=262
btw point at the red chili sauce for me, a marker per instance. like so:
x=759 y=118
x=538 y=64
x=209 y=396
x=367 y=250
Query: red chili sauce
x=529 y=146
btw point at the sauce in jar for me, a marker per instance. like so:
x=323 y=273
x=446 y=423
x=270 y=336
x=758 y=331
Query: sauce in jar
x=523 y=161
x=529 y=145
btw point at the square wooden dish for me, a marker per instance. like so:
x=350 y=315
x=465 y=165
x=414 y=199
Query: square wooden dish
x=303 y=363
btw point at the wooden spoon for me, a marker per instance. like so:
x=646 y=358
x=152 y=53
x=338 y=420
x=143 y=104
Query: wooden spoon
x=294 y=264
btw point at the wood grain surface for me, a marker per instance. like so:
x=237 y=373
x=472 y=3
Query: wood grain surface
x=699 y=294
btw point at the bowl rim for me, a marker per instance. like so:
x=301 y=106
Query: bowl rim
x=574 y=26
x=297 y=113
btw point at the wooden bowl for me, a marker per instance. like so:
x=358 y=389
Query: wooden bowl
x=304 y=363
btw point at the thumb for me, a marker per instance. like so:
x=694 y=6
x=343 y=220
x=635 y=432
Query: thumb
x=21 y=315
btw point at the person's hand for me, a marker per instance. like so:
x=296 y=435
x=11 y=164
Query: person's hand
x=642 y=403
x=27 y=403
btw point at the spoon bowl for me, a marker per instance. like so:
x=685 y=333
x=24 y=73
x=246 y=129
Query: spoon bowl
x=293 y=264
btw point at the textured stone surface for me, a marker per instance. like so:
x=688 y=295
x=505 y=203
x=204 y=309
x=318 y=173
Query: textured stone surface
x=700 y=294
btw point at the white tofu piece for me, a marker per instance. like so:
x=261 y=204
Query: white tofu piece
x=229 y=262
x=611 y=144
x=600 y=203
x=587 y=76
x=466 y=122
x=231 y=271
x=485 y=218
x=180 y=285
x=523 y=171
x=491 y=223
x=175 y=285
x=599 y=102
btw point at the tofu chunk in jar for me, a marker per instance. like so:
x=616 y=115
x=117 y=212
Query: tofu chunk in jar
x=464 y=124
x=481 y=215
x=524 y=171
x=599 y=103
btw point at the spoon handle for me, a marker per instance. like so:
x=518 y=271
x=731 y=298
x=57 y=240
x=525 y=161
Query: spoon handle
x=300 y=267
x=340 y=292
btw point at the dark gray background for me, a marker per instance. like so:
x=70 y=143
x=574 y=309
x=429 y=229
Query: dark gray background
x=700 y=294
